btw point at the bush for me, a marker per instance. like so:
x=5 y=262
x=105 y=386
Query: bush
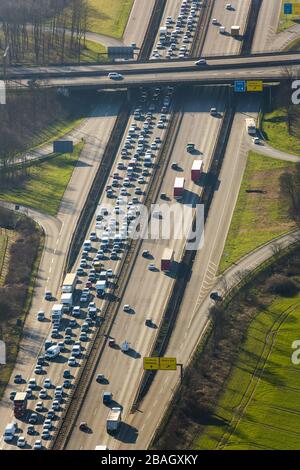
x=282 y=285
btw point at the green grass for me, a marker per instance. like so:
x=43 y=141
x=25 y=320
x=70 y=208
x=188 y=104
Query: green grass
x=275 y=129
x=258 y=218
x=109 y=17
x=261 y=410
x=3 y=245
x=286 y=21
x=46 y=183
x=11 y=331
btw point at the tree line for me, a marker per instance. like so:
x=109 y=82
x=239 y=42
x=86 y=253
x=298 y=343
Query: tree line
x=43 y=31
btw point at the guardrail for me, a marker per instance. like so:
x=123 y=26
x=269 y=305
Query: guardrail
x=152 y=29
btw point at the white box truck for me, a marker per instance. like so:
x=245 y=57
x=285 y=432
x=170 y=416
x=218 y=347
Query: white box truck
x=57 y=312
x=9 y=432
x=67 y=301
x=69 y=283
x=114 y=420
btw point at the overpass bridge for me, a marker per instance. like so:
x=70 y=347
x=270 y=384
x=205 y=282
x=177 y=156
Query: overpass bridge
x=218 y=70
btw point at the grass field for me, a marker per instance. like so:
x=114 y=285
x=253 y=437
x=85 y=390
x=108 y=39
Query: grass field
x=109 y=17
x=258 y=218
x=46 y=183
x=3 y=245
x=260 y=408
x=275 y=130
x=286 y=21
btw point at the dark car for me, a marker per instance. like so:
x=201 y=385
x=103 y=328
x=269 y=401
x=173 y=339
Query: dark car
x=107 y=398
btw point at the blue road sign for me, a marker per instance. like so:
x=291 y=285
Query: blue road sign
x=288 y=8
x=240 y=86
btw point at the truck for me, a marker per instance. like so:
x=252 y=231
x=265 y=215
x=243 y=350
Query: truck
x=101 y=447
x=9 y=432
x=196 y=171
x=52 y=352
x=167 y=259
x=251 y=126
x=114 y=420
x=20 y=404
x=67 y=301
x=57 y=312
x=69 y=283
x=179 y=188
x=235 y=31
x=163 y=32
x=100 y=288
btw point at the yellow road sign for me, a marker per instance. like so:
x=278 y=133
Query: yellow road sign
x=167 y=363
x=255 y=85
x=151 y=363
x=296 y=9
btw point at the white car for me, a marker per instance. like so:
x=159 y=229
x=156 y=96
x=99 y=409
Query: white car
x=214 y=21
x=21 y=442
x=37 y=445
x=115 y=76
x=127 y=308
x=200 y=62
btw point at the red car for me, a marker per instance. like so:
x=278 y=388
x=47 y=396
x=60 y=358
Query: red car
x=111 y=343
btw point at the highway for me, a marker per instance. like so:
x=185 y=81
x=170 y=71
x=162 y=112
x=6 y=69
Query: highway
x=223 y=44
x=150 y=301
x=138 y=22
x=193 y=315
x=96 y=132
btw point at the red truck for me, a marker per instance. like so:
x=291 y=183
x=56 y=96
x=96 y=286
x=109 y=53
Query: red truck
x=167 y=259
x=197 y=169
x=179 y=188
x=20 y=404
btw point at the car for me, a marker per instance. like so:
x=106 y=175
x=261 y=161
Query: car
x=68 y=339
x=107 y=398
x=215 y=296
x=47 y=383
x=201 y=62
x=151 y=267
x=213 y=111
x=228 y=6
x=72 y=361
x=256 y=140
x=160 y=125
x=112 y=343
x=149 y=322
x=39 y=406
x=51 y=414
x=47 y=424
x=80 y=271
x=37 y=445
x=109 y=274
x=214 y=21
x=43 y=394
x=45 y=434
x=48 y=295
x=18 y=379
x=99 y=378
x=127 y=308
x=31 y=430
x=33 y=418
x=55 y=333
x=84 y=298
x=146 y=254
x=21 y=442
x=66 y=384
x=32 y=383
x=28 y=393
x=56 y=405
x=66 y=374
x=41 y=360
x=115 y=76
x=83 y=336
x=41 y=315
x=83 y=426
x=12 y=394
x=93 y=236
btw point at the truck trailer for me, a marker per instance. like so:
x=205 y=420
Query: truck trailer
x=167 y=259
x=197 y=169
x=235 y=31
x=114 y=420
x=20 y=404
x=179 y=188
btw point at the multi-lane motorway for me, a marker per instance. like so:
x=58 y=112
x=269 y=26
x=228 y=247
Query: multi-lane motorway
x=147 y=291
